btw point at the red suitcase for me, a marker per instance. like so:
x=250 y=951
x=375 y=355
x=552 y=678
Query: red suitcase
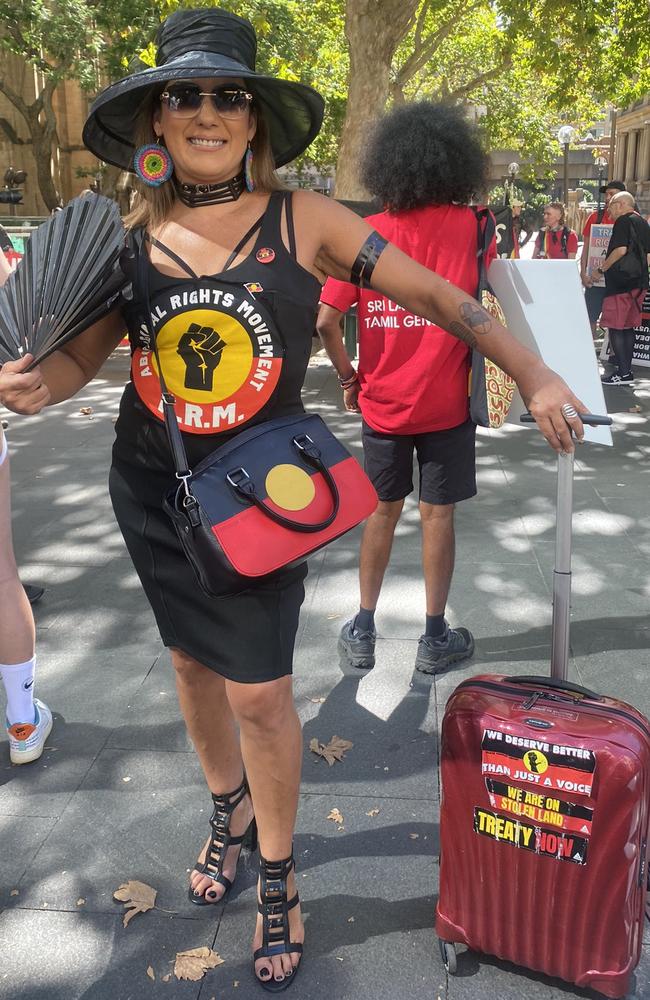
x=545 y=815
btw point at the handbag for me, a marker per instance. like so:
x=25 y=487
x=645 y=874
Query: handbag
x=490 y=390
x=264 y=500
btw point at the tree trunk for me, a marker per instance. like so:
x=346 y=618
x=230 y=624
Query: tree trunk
x=42 y=153
x=374 y=29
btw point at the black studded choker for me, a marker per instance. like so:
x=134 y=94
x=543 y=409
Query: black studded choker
x=195 y=195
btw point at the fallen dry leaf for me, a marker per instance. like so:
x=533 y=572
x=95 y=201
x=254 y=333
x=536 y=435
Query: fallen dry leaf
x=151 y=973
x=317 y=701
x=373 y=812
x=86 y=410
x=336 y=816
x=350 y=920
x=166 y=978
x=236 y=983
x=332 y=751
x=414 y=836
x=195 y=963
x=14 y=892
x=126 y=779
x=81 y=901
x=137 y=898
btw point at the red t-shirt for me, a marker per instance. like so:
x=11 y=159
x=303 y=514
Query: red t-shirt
x=412 y=374
x=549 y=244
x=592 y=220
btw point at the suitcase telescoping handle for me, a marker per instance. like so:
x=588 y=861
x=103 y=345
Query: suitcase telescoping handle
x=562 y=571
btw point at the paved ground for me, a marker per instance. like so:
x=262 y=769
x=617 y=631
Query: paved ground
x=118 y=794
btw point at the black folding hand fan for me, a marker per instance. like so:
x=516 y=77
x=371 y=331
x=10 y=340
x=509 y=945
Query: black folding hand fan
x=69 y=277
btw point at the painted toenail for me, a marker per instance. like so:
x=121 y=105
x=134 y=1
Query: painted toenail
x=279 y=979
x=212 y=894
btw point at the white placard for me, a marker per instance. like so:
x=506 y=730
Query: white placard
x=544 y=305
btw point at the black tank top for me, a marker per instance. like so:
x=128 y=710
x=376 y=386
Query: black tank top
x=234 y=346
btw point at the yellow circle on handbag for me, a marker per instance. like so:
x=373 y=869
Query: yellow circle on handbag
x=290 y=487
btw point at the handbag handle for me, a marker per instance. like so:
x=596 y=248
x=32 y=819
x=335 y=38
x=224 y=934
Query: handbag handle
x=243 y=484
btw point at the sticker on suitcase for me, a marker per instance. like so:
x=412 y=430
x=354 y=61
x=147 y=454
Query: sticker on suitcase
x=546 y=843
x=540 y=807
x=538 y=762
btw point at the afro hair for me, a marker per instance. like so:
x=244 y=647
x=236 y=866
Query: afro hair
x=424 y=154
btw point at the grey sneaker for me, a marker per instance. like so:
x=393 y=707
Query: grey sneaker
x=359 y=647
x=435 y=655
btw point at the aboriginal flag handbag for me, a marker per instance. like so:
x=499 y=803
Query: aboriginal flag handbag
x=264 y=500
x=490 y=389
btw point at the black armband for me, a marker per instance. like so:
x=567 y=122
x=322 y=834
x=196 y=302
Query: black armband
x=364 y=265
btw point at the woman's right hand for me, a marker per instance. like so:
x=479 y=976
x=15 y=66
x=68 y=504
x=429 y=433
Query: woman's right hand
x=22 y=391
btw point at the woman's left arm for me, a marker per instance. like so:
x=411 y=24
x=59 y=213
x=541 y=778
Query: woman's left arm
x=425 y=293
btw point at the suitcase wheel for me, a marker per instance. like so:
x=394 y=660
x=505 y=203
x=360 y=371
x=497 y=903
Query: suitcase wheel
x=449 y=957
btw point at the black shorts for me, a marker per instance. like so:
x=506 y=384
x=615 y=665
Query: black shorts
x=248 y=637
x=594 y=298
x=446 y=459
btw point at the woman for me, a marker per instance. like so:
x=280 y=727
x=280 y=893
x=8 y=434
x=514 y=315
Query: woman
x=555 y=241
x=28 y=720
x=204 y=242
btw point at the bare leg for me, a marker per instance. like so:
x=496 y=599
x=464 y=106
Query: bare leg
x=438 y=552
x=212 y=729
x=376 y=546
x=271 y=744
x=16 y=620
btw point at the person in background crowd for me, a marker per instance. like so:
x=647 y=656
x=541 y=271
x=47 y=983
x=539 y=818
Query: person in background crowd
x=28 y=720
x=555 y=241
x=425 y=163
x=626 y=279
x=595 y=294
x=516 y=207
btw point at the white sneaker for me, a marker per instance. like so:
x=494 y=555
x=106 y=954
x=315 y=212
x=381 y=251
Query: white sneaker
x=27 y=739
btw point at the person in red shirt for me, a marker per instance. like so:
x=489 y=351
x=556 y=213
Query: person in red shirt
x=595 y=294
x=555 y=241
x=424 y=162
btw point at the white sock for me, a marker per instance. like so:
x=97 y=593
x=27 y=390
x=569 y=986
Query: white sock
x=18 y=679
x=4 y=448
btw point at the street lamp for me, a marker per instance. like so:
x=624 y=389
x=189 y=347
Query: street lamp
x=601 y=163
x=509 y=187
x=565 y=138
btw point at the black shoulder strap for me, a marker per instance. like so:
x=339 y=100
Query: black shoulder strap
x=486 y=229
x=244 y=240
x=171 y=423
x=565 y=241
x=170 y=253
x=291 y=232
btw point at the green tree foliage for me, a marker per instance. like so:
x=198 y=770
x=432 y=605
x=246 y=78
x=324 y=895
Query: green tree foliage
x=527 y=64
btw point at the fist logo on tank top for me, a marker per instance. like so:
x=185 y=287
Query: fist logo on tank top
x=220 y=354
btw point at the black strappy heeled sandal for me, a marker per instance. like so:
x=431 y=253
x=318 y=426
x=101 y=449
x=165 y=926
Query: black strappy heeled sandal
x=220 y=841
x=274 y=908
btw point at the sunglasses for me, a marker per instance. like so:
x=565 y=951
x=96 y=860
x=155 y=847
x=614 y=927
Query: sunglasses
x=185 y=99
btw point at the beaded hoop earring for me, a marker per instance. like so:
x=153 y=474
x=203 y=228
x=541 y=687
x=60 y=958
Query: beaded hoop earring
x=153 y=164
x=248 y=169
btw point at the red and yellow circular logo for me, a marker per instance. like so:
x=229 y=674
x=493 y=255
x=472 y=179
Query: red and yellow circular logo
x=221 y=368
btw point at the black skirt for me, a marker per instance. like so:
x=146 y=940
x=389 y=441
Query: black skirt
x=248 y=637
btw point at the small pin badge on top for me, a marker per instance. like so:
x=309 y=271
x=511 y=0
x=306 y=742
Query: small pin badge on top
x=253 y=286
x=265 y=255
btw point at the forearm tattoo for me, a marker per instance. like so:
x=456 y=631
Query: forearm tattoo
x=475 y=320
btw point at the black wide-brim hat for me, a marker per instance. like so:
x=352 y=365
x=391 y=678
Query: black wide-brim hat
x=204 y=43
